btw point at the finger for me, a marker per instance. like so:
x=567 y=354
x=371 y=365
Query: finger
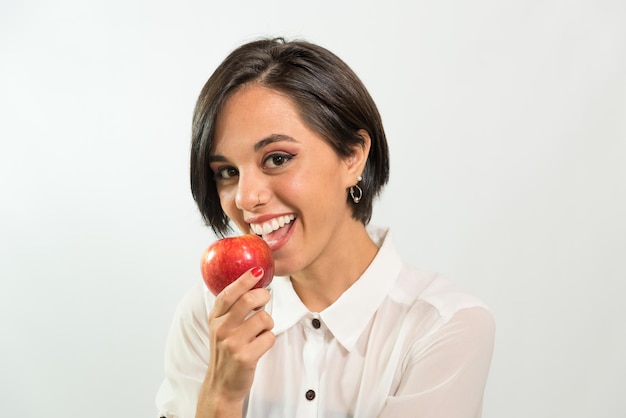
x=231 y=293
x=247 y=355
x=249 y=303
x=258 y=323
x=235 y=324
x=262 y=343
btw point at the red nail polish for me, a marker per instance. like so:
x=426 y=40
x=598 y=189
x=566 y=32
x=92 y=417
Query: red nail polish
x=257 y=271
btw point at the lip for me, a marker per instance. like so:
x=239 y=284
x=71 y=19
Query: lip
x=277 y=245
x=264 y=218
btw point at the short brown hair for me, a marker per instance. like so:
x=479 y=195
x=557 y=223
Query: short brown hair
x=331 y=100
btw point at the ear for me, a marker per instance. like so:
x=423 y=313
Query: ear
x=356 y=161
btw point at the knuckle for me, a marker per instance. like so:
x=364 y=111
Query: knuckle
x=267 y=339
x=265 y=295
x=223 y=298
x=230 y=346
x=271 y=338
x=220 y=331
x=248 y=298
x=243 y=358
x=265 y=319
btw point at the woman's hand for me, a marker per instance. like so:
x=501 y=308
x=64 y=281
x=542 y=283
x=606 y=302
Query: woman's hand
x=240 y=333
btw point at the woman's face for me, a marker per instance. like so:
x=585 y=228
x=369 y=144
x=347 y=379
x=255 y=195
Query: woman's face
x=277 y=178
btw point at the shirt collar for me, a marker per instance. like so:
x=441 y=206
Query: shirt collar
x=285 y=306
x=349 y=315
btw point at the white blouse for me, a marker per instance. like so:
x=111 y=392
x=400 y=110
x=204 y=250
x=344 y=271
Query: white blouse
x=398 y=343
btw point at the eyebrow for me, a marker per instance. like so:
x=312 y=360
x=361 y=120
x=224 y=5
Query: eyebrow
x=271 y=139
x=259 y=145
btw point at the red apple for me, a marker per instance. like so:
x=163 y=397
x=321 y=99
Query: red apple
x=228 y=258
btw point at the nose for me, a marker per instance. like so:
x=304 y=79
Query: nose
x=250 y=187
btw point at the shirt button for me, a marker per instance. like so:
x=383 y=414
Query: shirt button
x=310 y=395
x=316 y=324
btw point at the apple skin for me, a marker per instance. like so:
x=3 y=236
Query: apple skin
x=227 y=259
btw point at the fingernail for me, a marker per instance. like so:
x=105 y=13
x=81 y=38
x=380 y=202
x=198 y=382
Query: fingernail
x=257 y=272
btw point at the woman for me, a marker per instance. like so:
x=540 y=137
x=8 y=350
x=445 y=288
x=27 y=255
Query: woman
x=288 y=144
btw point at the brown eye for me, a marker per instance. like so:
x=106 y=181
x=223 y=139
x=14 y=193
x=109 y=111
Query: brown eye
x=226 y=173
x=277 y=160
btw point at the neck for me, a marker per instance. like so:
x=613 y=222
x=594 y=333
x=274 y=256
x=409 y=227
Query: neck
x=322 y=283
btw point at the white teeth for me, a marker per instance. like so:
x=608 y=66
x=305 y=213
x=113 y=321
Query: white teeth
x=271 y=225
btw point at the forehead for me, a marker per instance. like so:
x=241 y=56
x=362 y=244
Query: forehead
x=253 y=113
x=250 y=103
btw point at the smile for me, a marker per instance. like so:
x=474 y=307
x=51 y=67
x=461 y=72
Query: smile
x=272 y=225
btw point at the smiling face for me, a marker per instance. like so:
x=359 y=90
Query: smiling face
x=277 y=178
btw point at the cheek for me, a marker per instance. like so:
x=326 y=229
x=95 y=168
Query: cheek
x=297 y=189
x=294 y=185
x=227 y=201
x=310 y=191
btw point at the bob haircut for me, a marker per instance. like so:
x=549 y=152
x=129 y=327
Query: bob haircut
x=330 y=98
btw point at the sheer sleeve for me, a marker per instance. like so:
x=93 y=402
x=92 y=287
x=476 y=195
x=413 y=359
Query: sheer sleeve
x=186 y=357
x=445 y=373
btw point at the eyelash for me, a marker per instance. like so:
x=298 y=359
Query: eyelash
x=232 y=172
x=286 y=157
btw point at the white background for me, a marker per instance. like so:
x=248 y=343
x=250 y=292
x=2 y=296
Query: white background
x=507 y=128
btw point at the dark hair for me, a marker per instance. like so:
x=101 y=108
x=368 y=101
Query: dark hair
x=329 y=96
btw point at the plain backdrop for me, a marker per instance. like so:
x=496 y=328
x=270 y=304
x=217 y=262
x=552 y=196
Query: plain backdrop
x=507 y=128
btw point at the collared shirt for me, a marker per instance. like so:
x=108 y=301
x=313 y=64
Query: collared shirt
x=399 y=342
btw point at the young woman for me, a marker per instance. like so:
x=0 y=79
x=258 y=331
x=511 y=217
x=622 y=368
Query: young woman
x=288 y=144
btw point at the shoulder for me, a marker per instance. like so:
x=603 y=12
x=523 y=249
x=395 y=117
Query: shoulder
x=186 y=355
x=440 y=313
x=422 y=289
x=449 y=298
x=430 y=291
x=194 y=306
x=189 y=330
